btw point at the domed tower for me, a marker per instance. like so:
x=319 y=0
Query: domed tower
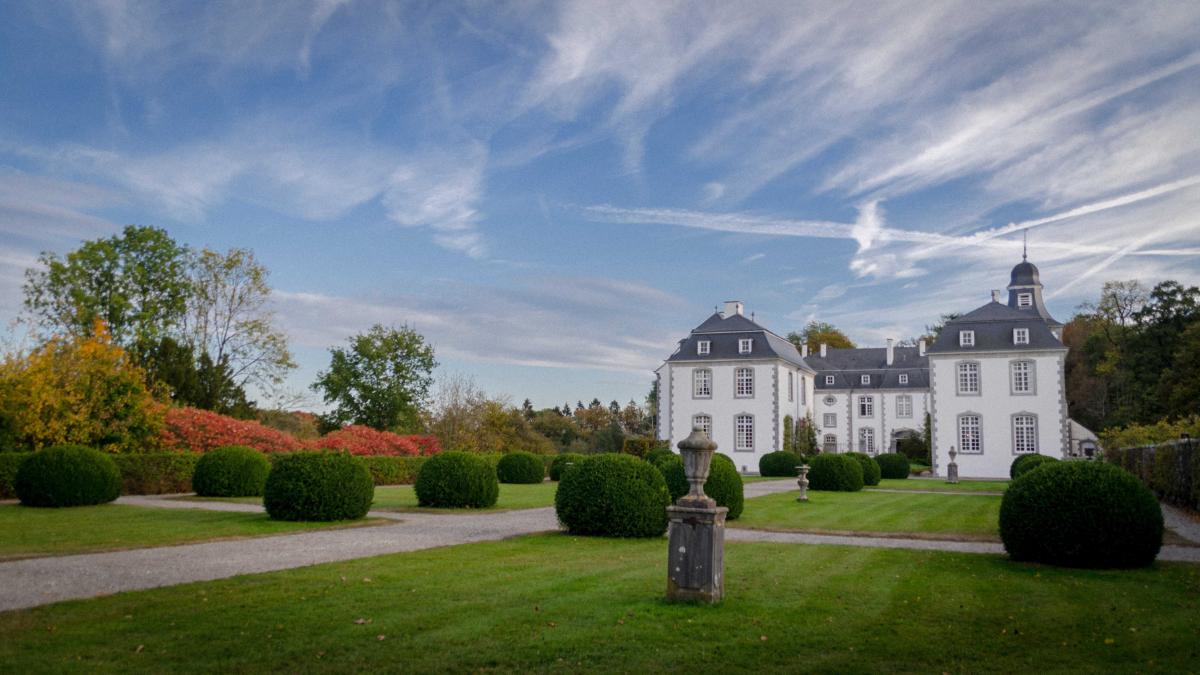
x=1025 y=294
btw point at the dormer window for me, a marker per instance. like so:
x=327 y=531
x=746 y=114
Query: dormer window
x=1024 y=299
x=966 y=338
x=1020 y=336
x=865 y=379
x=745 y=345
x=903 y=378
x=703 y=347
x=828 y=379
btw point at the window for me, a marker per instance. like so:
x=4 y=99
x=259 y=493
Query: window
x=744 y=432
x=828 y=379
x=970 y=441
x=745 y=345
x=904 y=406
x=743 y=382
x=865 y=379
x=703 y=347
x=791 y=386
x=866 y=406
x=903 y=378
x=829 y=419
x=702 y=383
x=1024 y=434
x=1024 y=299
x=966 y=338
x=968 y=377
x=704 y=422
x=1020 y=336
x=1022 y=377
x=830 y=443
x=866 y=440
x=830 y=400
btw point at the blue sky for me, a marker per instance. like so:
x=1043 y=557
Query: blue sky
x=554 y=193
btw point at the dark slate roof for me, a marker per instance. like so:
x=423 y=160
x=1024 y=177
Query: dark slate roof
x=847 y=366
x=1025 y=274
x=724 y=332
x=993 y=324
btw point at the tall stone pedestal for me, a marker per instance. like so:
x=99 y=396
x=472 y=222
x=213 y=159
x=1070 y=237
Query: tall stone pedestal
x=696 y=560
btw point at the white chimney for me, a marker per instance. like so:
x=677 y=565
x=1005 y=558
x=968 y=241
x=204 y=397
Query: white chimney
x=733 y=307
x=804 y=350
x=995 y=296
x=921 y=346
x=891 y=351
x=822 y=350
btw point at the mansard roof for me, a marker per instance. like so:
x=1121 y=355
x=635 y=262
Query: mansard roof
x=847 y=366
x=993 y=324
x=723 y=334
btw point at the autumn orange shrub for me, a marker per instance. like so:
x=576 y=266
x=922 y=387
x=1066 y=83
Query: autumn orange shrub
x=203 y=430
x=362 y=440
x=79 y=390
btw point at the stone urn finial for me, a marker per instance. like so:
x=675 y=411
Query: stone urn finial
x=697 y=450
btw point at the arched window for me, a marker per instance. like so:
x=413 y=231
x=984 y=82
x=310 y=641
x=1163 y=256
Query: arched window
x=704 y=422
x=970 y=434
x=743 y=382
x=743 y=426
x=1024 y=433
x=1021 y=375
x=702 y=383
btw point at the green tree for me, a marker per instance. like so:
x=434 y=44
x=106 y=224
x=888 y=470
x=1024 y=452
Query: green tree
x=806 y=437
x=817 y=333
x=789 y=434
x=136 y=282
x=381 y=380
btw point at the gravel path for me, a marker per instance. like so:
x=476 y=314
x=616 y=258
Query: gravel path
x=770 y=487
x=1181 y=523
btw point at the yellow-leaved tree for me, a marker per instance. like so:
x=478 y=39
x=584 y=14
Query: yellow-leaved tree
x=82 y=390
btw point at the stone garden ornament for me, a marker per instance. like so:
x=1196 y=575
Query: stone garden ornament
x=696 y=537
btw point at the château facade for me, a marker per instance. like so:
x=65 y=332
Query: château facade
x=992 y=385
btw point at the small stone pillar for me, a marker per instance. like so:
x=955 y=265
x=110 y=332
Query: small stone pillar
x=696 y=536
x=802 y=481
x=952 y=467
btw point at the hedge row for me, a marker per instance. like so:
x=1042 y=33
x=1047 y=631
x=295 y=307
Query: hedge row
x=1171 y=470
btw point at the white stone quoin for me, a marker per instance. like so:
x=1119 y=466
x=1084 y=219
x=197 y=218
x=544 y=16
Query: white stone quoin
x=992 y=384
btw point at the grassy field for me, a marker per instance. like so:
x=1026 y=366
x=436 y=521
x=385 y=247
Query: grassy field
x=27 y=532
x=404 y=498
x=969 y=516
x=939 y=485
x=557 y=603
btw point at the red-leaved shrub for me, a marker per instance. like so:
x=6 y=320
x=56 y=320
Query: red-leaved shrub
x=361 y=440
x=202 y=430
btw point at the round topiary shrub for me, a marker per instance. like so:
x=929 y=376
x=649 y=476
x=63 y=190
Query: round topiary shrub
x=232 y=471
x=457 y=480
x=320 y=486
x=658 y=454
x=67 y=475
x=521 y=467
x=838 y=473
x=870 y=469
x=613 y=496
x=780 y=463
x=561 y=462
x=892 y=465
x=724 y=483
x=1081 y=514
x=1026 y=463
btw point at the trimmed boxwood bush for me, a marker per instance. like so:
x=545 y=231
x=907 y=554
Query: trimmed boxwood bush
x=1026 y=463
x=870 y=469
x=658 y=454
x=9 y=463
x=560 y=463
x=520 y=467
x=68 y=475
x=1081 y=514
x=724 y=484
x=892 y=465
x=392 y=470
x=231 y=471
x=779 y=463
x=613 y=496
x=157 y=473
x=457 y=480
x=319 y=486
x=835 y=472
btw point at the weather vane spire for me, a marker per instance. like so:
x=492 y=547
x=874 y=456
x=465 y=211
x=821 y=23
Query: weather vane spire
x=1024 y=245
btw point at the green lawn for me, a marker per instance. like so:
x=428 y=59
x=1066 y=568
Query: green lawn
x=404 y=498
x=971 y=516
x=558 y=603
x=759 y=479
x=28 y=532
x=939 y=485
